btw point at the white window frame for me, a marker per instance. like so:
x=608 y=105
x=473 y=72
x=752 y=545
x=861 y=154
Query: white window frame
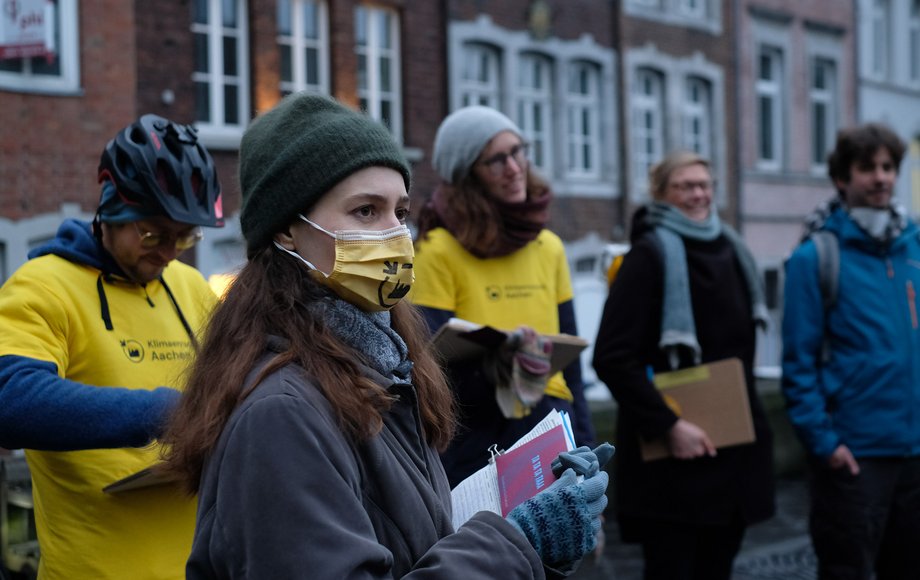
x=675 y=72
x=773 y=91
x=648 y=104
x=299 y=43
x=535 y=107
x=822 y=98
x=583 y=141
x=699 y=14
x=879 y=39
x=67 y=40
x=913 y=173
x=692 y=8
x=480 y=78
x=373 y=96
x=468 y=40
x=697 y=134
x=19 y=237
x=217 y=132
x=913 y=36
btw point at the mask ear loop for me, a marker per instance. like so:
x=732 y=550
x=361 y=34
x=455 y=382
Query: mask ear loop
x=299 y=257
x=317 y=226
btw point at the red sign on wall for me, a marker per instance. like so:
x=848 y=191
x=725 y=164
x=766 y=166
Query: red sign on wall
x=27 y=28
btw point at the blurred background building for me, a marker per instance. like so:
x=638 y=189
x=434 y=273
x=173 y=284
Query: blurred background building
x=602 y=89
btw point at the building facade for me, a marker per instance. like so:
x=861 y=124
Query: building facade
x=796 y=86
x=888 y=66
x=602 y=89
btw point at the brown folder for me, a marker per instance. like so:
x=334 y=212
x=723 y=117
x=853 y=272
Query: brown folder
x=713 y=396
x=459 y=340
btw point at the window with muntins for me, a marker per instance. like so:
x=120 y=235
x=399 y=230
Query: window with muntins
x=303 y=42
x=693 y=8
x=648 y=122
x=914 y=40
x=56 y=72
x=769 y=91
x=881 y=34
x=377 y=48
x=697 y=117
x=480 y=76
x=221 y=73
x=583 y=120
x=822 y=97
x=534 y=107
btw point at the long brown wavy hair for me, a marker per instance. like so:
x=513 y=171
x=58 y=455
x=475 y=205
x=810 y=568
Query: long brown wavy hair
x=270 y=296
x=475 y=215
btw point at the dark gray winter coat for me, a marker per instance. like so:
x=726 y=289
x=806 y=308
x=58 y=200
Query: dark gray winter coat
x=286 y=495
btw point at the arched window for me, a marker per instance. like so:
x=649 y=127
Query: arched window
x=534 y=108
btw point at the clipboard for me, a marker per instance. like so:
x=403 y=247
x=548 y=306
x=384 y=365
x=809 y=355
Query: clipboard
x=459 y=340
x=713 y=396
x=144 y=478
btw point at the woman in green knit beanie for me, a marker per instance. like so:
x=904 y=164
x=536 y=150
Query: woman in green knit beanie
x=315 y=410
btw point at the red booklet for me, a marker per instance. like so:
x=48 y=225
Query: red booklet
x=524 y=471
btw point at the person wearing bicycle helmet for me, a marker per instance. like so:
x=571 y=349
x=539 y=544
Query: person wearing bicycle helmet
x=98 y=327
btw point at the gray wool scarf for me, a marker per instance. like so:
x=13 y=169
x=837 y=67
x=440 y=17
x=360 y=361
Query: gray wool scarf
x=678 y=328
x=370 y=335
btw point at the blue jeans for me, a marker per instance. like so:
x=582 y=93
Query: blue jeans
x=868 y=522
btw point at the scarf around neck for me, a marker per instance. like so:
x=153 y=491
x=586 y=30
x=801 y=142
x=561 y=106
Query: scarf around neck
x=671 y=227
x=882 y=225
x=520 y=223
x=370 y=335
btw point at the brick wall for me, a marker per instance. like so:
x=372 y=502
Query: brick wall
x=50 y=144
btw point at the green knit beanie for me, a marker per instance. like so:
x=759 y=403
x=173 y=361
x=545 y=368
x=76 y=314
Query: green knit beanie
x=299 y=150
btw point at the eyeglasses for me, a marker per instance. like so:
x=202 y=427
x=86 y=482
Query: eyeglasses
x=499 y=161
x=689 y=186
x=150 y=240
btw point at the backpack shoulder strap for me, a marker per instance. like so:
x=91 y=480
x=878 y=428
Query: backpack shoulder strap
x=828 y=265
x=828 y=248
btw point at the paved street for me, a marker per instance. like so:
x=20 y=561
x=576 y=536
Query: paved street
x=778 y=549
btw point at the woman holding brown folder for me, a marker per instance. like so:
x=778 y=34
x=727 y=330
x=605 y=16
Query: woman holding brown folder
x=484 y=254
x=687 y=293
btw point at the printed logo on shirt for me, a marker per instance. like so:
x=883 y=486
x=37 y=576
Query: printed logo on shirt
x=133 y=350
x=514 y=291
x=169 y=350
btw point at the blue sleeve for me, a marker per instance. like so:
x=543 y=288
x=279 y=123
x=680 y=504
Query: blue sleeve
x=803 y=335
x=40 y=410
x=581 y=422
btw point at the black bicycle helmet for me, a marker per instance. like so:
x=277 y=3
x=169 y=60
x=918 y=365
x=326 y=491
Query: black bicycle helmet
x=159 y=166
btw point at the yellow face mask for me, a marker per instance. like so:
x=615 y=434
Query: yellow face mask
x=373 y=269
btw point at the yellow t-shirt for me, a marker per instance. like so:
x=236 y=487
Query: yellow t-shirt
x=525 y=287
x=50 y=311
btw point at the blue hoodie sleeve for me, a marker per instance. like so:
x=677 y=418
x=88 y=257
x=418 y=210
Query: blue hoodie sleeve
x=40 y=410
x=803 y=335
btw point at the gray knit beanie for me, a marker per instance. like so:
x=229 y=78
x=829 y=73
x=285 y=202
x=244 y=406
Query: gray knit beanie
x=462 y=136
x=299 y=150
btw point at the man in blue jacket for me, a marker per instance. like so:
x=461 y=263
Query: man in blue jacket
x=851 y=370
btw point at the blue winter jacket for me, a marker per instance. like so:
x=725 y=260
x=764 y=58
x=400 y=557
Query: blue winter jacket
x=867 y=395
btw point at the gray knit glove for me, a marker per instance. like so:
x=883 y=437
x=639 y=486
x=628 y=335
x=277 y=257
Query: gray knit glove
x=562 y=521
x=584 y=460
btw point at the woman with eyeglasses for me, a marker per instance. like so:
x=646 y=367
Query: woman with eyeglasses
x=688 y=292
x=483 y=254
